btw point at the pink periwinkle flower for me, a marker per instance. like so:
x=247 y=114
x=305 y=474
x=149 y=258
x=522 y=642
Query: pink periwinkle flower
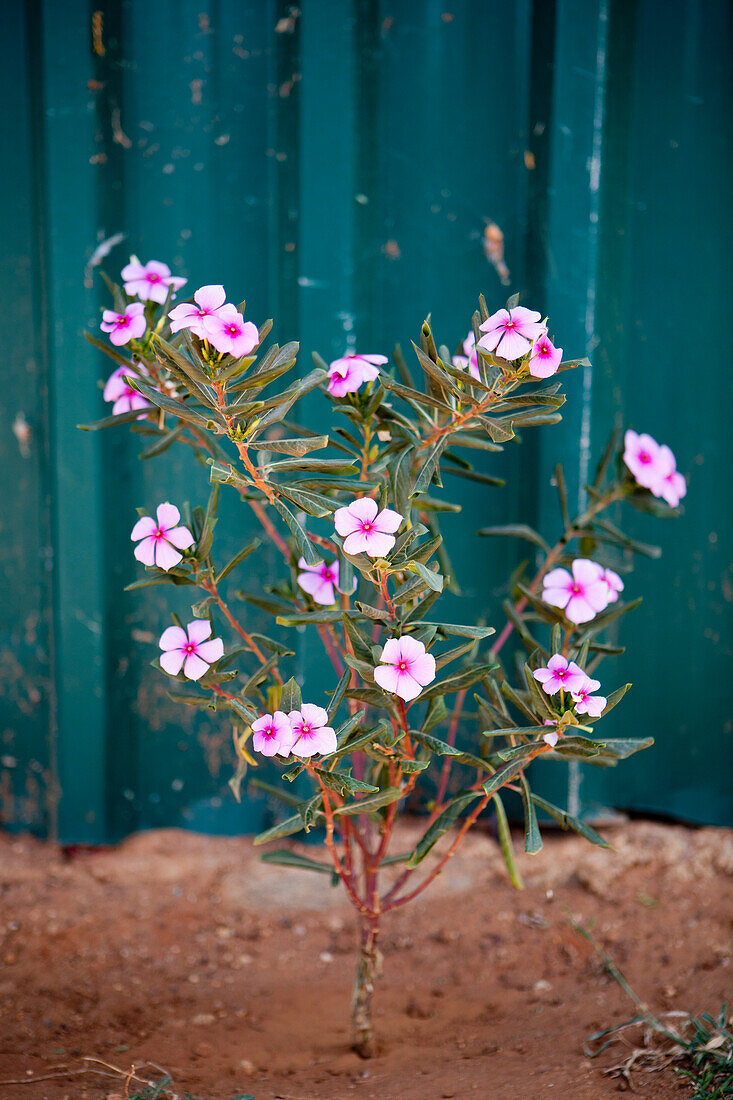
x=544 y=358
x=365 y=529
x=673 y=485
x=560 y=674
x=319 y=581
x=229 y=333
x=160 y=540
x=126 y=326
x=586 y=702
x=582 y=593
x=189 y=649
x=405 y=668
x=273 y=734
x=124 y=396
x=469 y=360
x=348 y=374
x=552 y=736
x=614 y=584
x=313 y=736
x=201 y=314
x=150 y=281
x=510 y=332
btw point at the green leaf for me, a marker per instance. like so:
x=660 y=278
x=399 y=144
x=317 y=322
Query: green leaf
x=568 y=822
x=429 y=466
x=432 y=580
x=290 y=697
x=282 y=857
x=305 y=546
x=442 y=748
x=344 y=784
x=212 y=420
x=411 y=766
x=462 y=631
x=344 y=731
x=370 y=803
x=162 y=443
x=445 y=821
x=110 y=421
x=505 y=843
x=504 y=775
x=532 y=837
x=614 y=698
x=297 y=447
x=314 y=504
x=285 y=828
x=338 y=695
x=458 y=681
x=516 y=531
x=237 y=559
x=437 y=713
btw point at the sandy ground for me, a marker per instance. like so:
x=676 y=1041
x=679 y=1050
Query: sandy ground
x=234 y=976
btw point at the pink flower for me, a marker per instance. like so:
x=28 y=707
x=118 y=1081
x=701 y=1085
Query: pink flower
x=582 y=595
x=124 y=396
x=159 y=542
x=122 y=327
x=559 y=674
x=150 y=281
x=189 y=650
x=544 y=358
x=405 y=667
x=201 y=317
x=641 y=455
x=272 y=734
x=469 y=360
x=585 y=702
x=510 y=332
x=319 y=581
x=365 y=529
x=551 y=737
x=348 y=374
x=673 y=485
x=614 y=584
x=229 y=333
x=313 y=737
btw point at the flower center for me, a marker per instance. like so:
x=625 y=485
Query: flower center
x=306 y=731
x=190 y=647
x=232 y=330
x=402 y=666
x=644 y=456
x=123 y=322
x=158 y=534
x=576 y=589
x=153 y=278
x=366 y=526
x=510 y=324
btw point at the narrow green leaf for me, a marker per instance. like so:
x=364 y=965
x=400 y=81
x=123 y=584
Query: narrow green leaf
x=445 y=821
x=370 y=802
x=282 y=857
x=516 y=531
x=505 y=843
x=305 y=546
x=285 y=828
x=238 y=559
x=532 y=836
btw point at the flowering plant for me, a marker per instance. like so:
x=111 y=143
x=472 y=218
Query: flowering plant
x=355 y=519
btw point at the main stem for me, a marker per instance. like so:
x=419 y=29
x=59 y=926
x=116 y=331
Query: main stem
x=368 y=969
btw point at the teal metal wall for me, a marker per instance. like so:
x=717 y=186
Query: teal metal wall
x=336 y=166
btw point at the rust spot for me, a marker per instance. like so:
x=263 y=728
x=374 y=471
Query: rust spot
x=97 y=28
x=529 y=161
x=493 y=242
x=286 y=25
x=391 y=250
x=196 y=86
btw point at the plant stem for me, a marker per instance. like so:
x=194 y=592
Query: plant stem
x=368 y=968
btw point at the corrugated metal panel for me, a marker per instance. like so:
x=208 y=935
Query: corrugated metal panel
x=337 y=167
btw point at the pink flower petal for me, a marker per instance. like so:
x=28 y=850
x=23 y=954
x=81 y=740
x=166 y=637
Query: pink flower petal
x=194 y=668
x=173 y=638
x=586 y=571
x=496 y=322
x=199 y=630
x=145 y=551
x=313 y=715
x=211 y=651
x=358 y=543
x=388 y=521
x=210 y=297
x=387 y=677
x=579 y=610
x=364 y=508
x=345 y=522
x=144 y=527
x=407 y=686
x=512 y=345
x=422 y=669
x=377 y=544
x=168 y=516
x=181 y=537
x=166 y=556
x=556 y=597
x=392 y=651
x=172 y=661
